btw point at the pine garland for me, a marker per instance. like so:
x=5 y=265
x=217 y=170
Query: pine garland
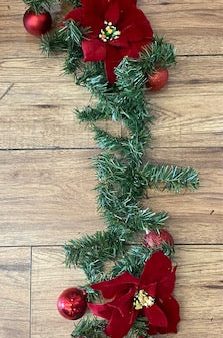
x=123 y=176
x=39 y=6
x=122 y=173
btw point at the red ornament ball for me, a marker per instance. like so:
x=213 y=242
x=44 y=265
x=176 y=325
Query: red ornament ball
x=158 y=80
x=37 y=24
x=72 y=303
x=155 y=239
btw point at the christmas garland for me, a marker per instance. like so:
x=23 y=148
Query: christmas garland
x=112 y=51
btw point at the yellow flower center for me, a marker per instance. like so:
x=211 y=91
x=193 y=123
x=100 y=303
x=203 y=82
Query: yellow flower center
x=109 y=33
x=142 y=299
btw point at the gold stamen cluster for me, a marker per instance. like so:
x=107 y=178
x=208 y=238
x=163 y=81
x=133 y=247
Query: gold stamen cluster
x=142 y=299
x=109 y=33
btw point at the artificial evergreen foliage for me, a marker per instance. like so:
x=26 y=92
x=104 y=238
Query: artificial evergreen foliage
x=74 y=3
x=88 y=325
x=123 y=174
x=39 y=6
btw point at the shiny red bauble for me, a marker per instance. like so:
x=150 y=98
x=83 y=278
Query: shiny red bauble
x=37 y=24
x=72 y=303
x=155 y=239
x=158 y=80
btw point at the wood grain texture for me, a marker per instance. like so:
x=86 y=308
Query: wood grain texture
x=47 y=194
x=42 y=116
x=199 y=281
x=51 y=192
x=15 y=292
x=48 y=269
x=37 y=110
x=194 y=26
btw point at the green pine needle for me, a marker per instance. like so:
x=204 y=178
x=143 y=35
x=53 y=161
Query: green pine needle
x=139 y=329
x=52 y=43
x=74 y=3
x=170 y=177
x=89 y=327
x=40 y=6
x=123 y=177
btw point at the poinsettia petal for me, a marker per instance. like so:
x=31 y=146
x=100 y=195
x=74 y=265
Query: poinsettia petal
x=136 y=33
x=135 y=48
x=118 y=326
x=93 y=20
x=133 y=33
x=138 y=24
x=166 y=285
x=113 y=58
x=144 y=24
x=101 y=310
x=171 y=309
x=96 y=6
x=87 y=17
x=76 y=15
x=124 y=303
x=116 y=285
x=126 y=4
x=94 y=50
x=150 y=289
x=159 y=269
x=137 y=30
x=90 y=21
x=152 y=330
x=156 y=316
x=120 y=42
x=112 y=13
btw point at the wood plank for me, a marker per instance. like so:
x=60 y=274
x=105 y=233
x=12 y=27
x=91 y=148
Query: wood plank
x=47 y=263
x=39 y=113
x=188 y=121
x=51 y=198
x=194 y=26
x=47 y=196
x=41 y=116
x=192 y=212
x=4 y=89
x=46 y=193
x=15 y=292
x=192 y=73
x=189 y=25
x=188 y=110
x=199 y=279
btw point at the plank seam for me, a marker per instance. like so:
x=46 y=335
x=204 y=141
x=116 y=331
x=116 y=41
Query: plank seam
x=61 y=58
x=95 y=148
x=34 y=246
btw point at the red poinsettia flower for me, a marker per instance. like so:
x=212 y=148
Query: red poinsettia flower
x=118 y=29
x=149 y=296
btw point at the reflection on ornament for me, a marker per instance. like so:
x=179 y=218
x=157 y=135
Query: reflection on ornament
x=37 y=24
x=72 y=303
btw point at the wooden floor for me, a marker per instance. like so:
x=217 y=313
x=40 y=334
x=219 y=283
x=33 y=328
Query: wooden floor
x=47 y=182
